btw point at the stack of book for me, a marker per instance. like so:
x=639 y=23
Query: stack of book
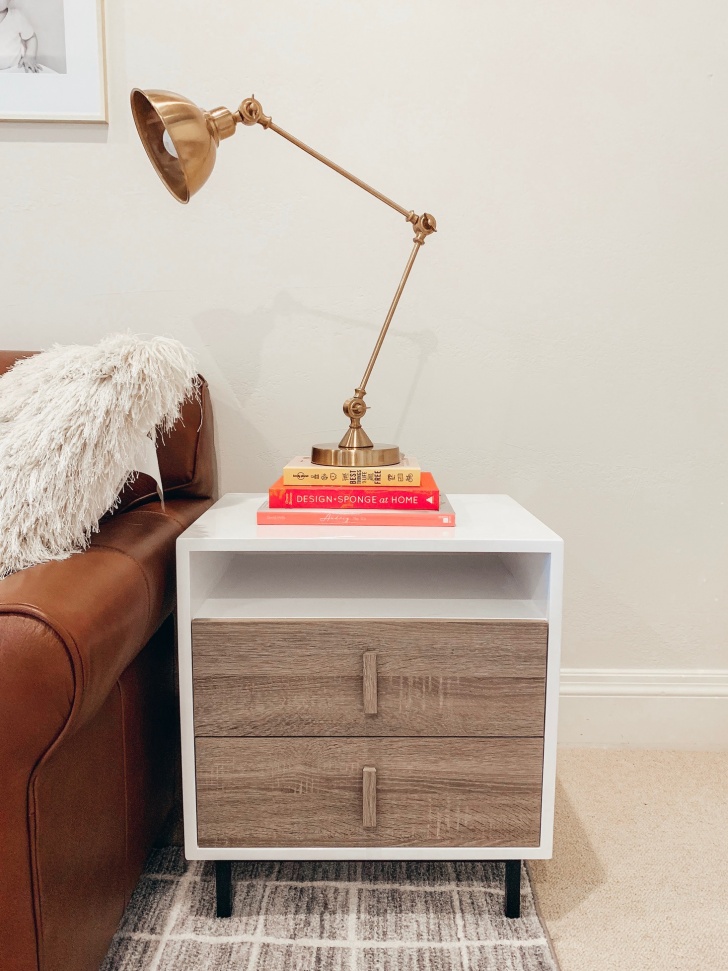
x=317 y=495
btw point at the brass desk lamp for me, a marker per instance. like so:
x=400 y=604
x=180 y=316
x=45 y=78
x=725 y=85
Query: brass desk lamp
x=181 y=141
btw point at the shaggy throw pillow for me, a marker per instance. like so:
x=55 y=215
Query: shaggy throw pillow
x=72 y=426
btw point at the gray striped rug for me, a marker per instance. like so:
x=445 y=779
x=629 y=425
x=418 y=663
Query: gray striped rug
x=328 y=917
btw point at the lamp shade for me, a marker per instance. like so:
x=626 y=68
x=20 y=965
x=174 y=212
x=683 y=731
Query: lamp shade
x=180 y=139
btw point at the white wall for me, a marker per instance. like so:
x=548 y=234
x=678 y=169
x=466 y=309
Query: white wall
x=563 y=337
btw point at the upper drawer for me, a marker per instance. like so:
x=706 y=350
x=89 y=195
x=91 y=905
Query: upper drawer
x=354 y=677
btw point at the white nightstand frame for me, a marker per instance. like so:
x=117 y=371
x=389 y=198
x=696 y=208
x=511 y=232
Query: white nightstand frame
x=517 y=573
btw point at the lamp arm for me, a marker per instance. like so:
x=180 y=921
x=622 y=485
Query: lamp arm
x=337 y=168
x=251 y=113
x=355 y=407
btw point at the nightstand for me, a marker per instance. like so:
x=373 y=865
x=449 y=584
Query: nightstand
x=369 y=693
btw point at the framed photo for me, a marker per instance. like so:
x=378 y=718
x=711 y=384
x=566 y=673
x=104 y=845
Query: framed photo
x=52 y=61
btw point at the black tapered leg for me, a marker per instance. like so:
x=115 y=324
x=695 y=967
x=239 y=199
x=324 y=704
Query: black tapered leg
x=513 y=888
x=224 y=887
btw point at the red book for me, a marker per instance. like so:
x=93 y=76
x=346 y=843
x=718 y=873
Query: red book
x=445 y=516
x=403 y=498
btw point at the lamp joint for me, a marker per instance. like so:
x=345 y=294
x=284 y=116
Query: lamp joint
x=424 y=225
x=221 y=123
x=355 y=408
x=251 y=113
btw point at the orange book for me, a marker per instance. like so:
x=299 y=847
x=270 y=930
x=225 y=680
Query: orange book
x=445 y=516
x=424 y=496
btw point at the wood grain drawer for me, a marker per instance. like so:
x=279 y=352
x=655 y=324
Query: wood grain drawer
x=313 y=792
x=354 y=678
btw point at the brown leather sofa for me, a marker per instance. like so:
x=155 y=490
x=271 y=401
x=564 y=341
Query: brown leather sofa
x=88 y=722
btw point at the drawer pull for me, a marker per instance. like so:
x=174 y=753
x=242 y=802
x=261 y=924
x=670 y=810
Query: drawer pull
x=369 y=797
x=370 y=683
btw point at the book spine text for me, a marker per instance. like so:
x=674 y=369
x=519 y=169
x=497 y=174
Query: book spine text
x=327 y=476
x=291 y=497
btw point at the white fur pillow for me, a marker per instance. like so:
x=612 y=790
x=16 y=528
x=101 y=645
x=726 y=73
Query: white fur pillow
x=71 y=420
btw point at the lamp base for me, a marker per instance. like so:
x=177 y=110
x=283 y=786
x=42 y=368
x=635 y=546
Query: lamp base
x=365 y=458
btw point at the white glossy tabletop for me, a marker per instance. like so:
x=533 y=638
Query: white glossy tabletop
x=484 y=522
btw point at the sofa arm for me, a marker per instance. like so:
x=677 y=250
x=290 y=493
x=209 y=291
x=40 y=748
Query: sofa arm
x=36 y=699
x=68 y=631
x=100 y=607
x=37 y=690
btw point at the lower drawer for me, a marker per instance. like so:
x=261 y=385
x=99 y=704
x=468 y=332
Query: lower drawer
x=368 y=791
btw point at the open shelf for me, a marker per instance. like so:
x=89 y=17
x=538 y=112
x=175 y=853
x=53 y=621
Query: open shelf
x=446 y=585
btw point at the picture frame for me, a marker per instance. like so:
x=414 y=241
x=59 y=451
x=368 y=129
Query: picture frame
x=53 y=61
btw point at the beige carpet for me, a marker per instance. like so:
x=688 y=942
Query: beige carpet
x=639 y=878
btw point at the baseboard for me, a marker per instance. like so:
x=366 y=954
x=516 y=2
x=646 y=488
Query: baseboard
x=644 y=708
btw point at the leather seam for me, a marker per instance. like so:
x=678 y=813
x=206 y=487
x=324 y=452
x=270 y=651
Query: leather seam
x=163 y=515
x=199 y=430
x=114 y=549
x=34 y=872
x=201 y=399
x=152 y=496
x=31 y=808
x=126 y=792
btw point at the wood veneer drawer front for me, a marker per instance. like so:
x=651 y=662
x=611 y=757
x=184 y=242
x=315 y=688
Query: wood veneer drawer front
x=311 y=677
x=418 y=792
